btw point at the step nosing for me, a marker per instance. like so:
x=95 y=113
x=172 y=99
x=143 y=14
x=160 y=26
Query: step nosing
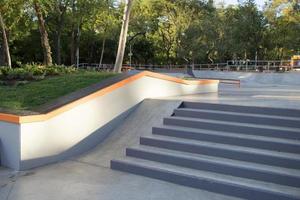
x=210 y=176
x=277 y=128
x=238 y=108
x=261 y=168
x=231 y=135
x=266 y=116
x=215 y=145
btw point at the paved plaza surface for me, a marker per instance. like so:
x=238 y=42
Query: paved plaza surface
x=279 y=97
x=89 y=176
x=280 y=90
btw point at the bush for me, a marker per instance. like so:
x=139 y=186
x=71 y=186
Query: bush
x=33 y=72
x=4 y=70
x=59 y=70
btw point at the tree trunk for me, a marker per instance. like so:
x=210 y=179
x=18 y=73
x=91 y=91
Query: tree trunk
x=58 y=37
x=102 y=52
x=169 y=58
x=72 y=46
x=73 y=36
x=44 y=35
x=91 y=52
x=245 y=55
x=123 y=38
x=60 y=25
x=78 y=45
x=5 y=42
x=58 y=47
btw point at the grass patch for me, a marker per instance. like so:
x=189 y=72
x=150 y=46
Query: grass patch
x=37 y=93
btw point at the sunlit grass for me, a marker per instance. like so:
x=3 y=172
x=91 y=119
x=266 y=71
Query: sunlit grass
x=34 y=94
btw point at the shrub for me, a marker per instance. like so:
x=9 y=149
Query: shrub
x=59 y=70
x=16 y=74
x=29 y=72
x=4 y=70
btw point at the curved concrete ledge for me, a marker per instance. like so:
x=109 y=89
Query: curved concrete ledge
x=34 y=140
x=42 y=117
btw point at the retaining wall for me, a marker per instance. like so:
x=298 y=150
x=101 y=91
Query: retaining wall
x=34 y=140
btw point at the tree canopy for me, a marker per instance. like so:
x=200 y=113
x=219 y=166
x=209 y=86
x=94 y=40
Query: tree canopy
x=160 y=31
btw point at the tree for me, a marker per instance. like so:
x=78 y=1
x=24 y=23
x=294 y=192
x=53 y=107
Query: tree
x=282 y=34
x=5 y=41
x=202 y=28
x=82 y=14
x=105 y=23
x=123 y=37
x=11 y=25
x=60 y=9
x=44 y=35
x=161 y=31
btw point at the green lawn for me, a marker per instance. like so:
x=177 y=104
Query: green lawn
x=34 y=94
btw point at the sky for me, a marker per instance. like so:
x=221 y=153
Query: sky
x=260 y=3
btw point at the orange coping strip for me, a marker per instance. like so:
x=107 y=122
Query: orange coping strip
x=42 y=117
x=9 y=118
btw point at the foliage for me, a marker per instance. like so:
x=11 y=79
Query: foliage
x=33 y=72
x=160 y=31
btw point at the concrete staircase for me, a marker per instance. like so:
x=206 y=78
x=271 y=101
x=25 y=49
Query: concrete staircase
x=247 y=152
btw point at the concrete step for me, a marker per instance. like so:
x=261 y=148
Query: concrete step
x=243 y=109
x=233 y=127
x=266 y=173
x=270 y=143
x=238 y=117
x=282 y=159
x=220 y=183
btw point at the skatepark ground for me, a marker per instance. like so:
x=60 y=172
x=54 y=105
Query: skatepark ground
x=89 y=176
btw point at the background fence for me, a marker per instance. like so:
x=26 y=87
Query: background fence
x=232 y=65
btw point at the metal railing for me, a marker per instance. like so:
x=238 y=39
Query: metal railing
x=96 y=66
x=231 y=65
x=258 y=65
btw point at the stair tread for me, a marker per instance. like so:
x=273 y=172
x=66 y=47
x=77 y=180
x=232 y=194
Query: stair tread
x=210 y=176
x=226 y=146
x=251 y=155
x=229 y=134
x=248 y=109
x=296 y=130
x=240 y=114
x=219 y=160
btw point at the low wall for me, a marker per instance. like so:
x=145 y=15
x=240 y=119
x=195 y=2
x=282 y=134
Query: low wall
x=31 y=141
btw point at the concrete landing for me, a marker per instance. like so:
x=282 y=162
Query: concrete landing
x=279 y=90
x=277 y=97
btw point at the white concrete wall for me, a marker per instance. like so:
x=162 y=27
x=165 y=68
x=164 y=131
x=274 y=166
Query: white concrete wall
x=10 y=145
x=43 y=142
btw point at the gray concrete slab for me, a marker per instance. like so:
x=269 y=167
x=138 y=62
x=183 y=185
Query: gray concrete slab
x=250 y=78
x=278 y=97
x=6 y=182
x=279 y=90
x=72 y=180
